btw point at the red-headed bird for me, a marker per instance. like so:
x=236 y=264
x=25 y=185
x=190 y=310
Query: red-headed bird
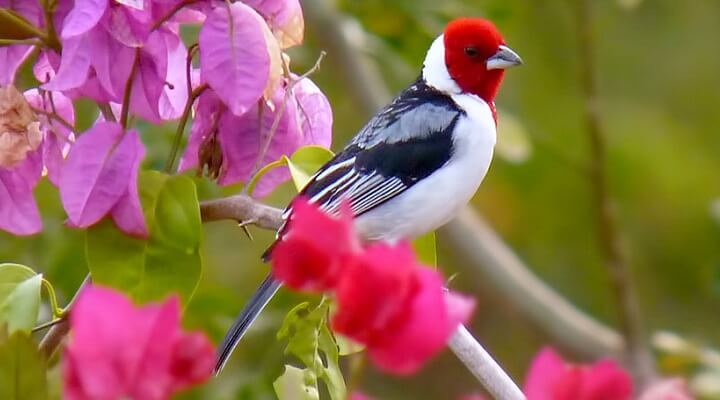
x=420 y=159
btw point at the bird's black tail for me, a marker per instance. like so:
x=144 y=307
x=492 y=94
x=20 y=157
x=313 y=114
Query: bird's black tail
x=259 y=300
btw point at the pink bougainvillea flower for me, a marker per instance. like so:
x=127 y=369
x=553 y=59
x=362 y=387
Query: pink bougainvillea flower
x=284 y=17
x=19 y=214
x=409 y=317
x=57 y=137
x=552 y=378
x=241 y=140
x=667 y=389
x=236 y=55
x=314 y=127
x=229 y=145
x=102 y=40
x=359 y=396
x=27 y=146
x=98 y=175
x=119 y=350
x=315 y=249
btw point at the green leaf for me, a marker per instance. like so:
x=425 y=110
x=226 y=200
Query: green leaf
x=264 y=170
x=305 y=162
x=14 y=26
x=310 y=340
x=22 y=369
x=296 y=384
x=19 y=297
x=169 y=260
x=426 y=249
x=302 y=164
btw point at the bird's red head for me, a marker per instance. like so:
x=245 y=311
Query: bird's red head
x=476 y=56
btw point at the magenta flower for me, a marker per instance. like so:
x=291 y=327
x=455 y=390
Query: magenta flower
x=667 y=389
x=100 y=177
x=119 y=350
x=409 y=317
x=552 y=378
x=386 y=300
x=317 y=246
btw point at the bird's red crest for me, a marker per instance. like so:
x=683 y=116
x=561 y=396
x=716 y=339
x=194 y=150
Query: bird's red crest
x=469 y=42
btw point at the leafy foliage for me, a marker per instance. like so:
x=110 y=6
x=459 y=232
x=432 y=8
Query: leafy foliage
x=22 y=369
x=310 y=340
x=169 y=260
x=19 y=297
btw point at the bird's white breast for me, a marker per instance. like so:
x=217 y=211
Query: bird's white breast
x=438 y=198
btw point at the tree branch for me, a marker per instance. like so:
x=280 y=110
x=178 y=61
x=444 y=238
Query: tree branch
x=478 y=361
x=638 y=353
x=495 y=264
x=55 y=335
x=243 y=208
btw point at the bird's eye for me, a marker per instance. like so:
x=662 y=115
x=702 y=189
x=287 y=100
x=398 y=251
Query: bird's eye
x=471 y=51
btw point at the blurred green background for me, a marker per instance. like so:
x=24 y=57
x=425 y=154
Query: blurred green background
x=657 y=63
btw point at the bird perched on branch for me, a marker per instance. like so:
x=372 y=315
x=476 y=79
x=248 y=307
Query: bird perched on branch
x=420 y=159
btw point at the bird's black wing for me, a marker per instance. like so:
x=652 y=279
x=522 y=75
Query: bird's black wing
x=405 y=142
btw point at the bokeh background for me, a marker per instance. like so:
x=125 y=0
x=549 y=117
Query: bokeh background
x=657 y=64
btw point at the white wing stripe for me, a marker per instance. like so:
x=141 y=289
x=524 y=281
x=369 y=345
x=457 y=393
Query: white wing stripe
x=340 y=181
x=333 y=168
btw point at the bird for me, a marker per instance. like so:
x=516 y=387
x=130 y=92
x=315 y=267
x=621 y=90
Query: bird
x=419 y=160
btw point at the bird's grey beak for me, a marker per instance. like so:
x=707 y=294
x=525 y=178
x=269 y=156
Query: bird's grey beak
x=503 y=59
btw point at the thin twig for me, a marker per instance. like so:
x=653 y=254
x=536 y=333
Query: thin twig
x=192 y=50
x=241 y=208
x=52 y=339
x=265 y=145
x=171 y=13
x=16 y=20
x=50 y=32
x=128 y=90
x=107 y=112
x=56 y=117
x=47 y=324
x=29 y=42
x=181 y=126
x=640 y=358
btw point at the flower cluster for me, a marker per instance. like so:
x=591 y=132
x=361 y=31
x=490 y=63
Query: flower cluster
x=119 y=350
x=386 y=300
x=552 y=378
x=128 y=57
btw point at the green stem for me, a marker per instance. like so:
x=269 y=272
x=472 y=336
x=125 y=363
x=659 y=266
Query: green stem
x=18 y=27
x=57 y=311
x=181 y=126
x=10 y=42
x=50 y=33
x=47 y=324
x=128 y=90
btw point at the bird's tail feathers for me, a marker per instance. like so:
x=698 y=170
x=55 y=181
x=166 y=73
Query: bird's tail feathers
x=257 y=303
